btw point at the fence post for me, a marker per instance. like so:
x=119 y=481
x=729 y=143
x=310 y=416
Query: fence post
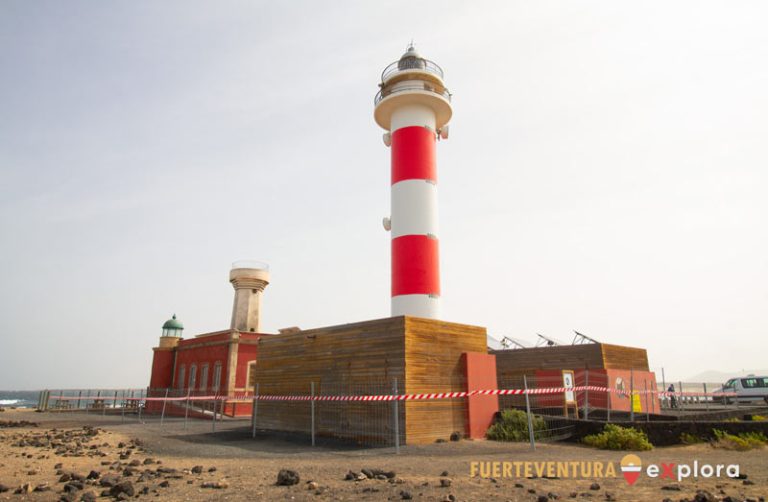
x=254 y=411
x=682 y=398
x=608 y=396
x=165 y=401
x=631 y=395
x=79 y=395
x=312 y=409
x=528 y=414
x=586 y=395
x=664 y=398
x=215 y=405
x=396 y=416
x=647 y=407
x=706 y=396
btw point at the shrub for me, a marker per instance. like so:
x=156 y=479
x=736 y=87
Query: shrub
x=615 y=437
x=513 y=426
x=740 y=442
x=687 y=438
x=759 y=418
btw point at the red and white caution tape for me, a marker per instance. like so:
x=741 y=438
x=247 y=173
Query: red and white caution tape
x=403 y=397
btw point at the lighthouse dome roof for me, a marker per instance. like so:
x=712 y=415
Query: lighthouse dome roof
x=173 y=323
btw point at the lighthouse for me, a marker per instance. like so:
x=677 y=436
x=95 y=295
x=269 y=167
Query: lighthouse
x=413 y=106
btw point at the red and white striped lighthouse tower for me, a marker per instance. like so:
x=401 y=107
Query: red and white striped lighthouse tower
x=414 y=107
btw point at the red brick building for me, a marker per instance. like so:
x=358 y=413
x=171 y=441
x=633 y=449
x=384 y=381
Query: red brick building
x=217 y=363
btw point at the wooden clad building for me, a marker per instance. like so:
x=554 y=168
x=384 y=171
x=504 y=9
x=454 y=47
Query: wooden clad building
x=596 y=364
x=371 y=357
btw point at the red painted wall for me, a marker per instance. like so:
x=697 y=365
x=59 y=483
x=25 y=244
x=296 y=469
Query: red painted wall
x=201 y=355
x=642 y=380
x=481 y=375
x=162 y=366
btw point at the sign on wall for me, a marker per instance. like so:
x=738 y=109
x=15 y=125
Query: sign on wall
x=569 y=383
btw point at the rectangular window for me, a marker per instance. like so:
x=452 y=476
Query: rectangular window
x=204 y=377
x=192 y=376
x=180 y=381
x=217 y=376
x=749 y=383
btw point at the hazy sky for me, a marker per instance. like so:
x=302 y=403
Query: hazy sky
x=607 y=171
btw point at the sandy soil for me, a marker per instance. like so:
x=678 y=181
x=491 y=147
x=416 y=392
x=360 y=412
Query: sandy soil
x=246 y=468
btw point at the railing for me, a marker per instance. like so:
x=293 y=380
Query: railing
x=425 y=87
x=411 y=64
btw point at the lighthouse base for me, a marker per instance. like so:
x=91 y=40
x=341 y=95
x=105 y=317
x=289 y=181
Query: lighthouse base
x=400 y=355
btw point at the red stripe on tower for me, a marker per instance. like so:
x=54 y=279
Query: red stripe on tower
x=413 y=154
x=415 y=266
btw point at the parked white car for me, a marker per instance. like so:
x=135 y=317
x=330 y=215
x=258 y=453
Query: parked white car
x=748 y=389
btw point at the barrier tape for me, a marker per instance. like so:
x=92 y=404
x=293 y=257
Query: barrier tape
x=402 y=397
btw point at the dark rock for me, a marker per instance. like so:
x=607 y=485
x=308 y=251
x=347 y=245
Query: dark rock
x=93 y=475
x=123 y=487
x=42 y=488
x=405 y=495
x=109 y=480
x=553 y=496
x=197 y=469
x=594 y=486
x=368 y=473
x=148 y=461
x=287 y=477
x=671 y=488
x=519 y=485
x=532 y=491
x=610 y=497
x=704 y=496
x=68 y=497
x=455 y=436
x=73 y=486
x=748 y=482
x=135 y=462
x=3 y=488
x=440 y=440
x=542 y=498
x=64 y=478
x=165 y=484
x=211 y=469
x=77 y=477
x=445 y=483
x=444 y=474
x=573 y=495
x=88 y=497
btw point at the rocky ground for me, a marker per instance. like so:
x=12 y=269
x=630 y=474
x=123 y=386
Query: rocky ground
x=80 y=458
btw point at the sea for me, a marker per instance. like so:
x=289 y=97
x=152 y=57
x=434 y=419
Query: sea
x=18 y=398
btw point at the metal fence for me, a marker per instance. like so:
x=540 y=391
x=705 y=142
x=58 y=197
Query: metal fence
x=373 y=413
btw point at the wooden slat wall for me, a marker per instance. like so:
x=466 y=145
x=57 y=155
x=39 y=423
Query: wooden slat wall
x=424 y=355
x=434 y=363
x=347 y=359
x=624 y=358
x=515 y=362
